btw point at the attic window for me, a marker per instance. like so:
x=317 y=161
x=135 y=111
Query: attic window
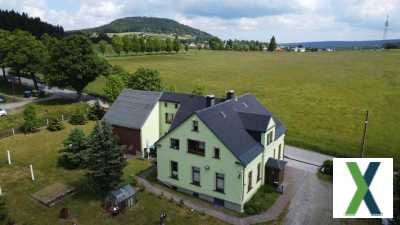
x=223 y=114
x=245 y=105
x=195 y=126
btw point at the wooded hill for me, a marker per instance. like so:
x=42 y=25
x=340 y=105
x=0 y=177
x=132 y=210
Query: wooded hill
x=11 y=20
x=148 y=25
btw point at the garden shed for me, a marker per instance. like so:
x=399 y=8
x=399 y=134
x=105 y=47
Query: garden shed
x=275 y=170
x=124 y=197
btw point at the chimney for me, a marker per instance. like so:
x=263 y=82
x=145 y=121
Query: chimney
x=230 y=94
x=210 y=100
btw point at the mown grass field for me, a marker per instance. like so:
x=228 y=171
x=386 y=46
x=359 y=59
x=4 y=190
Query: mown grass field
x=44 y=110
x=320 y=97
x=41 y=150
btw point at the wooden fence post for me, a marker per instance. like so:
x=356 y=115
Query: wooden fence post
x=9 y=157
x=32 y=175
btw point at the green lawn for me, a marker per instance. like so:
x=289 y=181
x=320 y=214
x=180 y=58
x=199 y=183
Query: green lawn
x=52 y=108
x=321 y=97
x=41 y=150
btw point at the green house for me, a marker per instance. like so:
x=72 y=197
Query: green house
x=215 y=149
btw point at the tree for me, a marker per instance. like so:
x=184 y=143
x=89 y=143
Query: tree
x=96 y=112
x=127 y=43
x=186 y=47
x=106 y=159
x=198 y=90
x=55 y=124
x=176 y=44
x=73 y=63
x=103 y=47
x=73 y=155
x=3 y=209
x=146 y=80
x=168 y=45
x=135 y=44
x=272 y=44
x=26 y=54
x=117 y=44
x=78 y=118
x=31 y=122
x=48 y=41
x=38 y=57
x=114 y=85
x=215 y=43
x=4 y=46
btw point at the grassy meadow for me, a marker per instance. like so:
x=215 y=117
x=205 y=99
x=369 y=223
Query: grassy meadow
x=320 y=97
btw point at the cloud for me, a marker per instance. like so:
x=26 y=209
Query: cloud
x=289 y=20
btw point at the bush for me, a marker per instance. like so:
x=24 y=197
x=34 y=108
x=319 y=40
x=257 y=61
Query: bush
x=261 y=200
x=55 y=125
x=327 y=167
x=78 y=118
x=96 y=112
x=31 y=122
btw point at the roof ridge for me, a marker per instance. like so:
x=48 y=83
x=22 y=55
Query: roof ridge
x=221 y=103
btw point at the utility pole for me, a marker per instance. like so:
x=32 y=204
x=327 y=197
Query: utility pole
x=364 y=138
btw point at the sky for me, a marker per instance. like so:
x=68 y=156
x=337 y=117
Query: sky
x=288 y=20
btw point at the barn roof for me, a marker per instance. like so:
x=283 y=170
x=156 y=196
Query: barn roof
x=131 y=108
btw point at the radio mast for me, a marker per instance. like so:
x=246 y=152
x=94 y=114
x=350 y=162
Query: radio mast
x=385 y=30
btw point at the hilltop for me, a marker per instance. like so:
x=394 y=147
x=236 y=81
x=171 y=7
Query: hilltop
x=148 y=25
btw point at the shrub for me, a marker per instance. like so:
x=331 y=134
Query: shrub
x=31 y=122
x=327 y=167
x=261 y=200
x=55 y=125
x=96 y=112
x=78 y=118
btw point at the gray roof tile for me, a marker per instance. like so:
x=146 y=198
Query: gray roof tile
x=131 y=108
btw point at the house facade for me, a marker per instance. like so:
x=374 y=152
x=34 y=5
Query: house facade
x=216 y=149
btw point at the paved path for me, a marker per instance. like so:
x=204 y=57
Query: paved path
x=304 y=159
x=57 y=93
x=293 y=179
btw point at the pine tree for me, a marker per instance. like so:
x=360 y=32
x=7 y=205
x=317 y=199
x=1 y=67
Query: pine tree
x=74 y=153
x=55 y=124
x=106 y=158
x=272 y=44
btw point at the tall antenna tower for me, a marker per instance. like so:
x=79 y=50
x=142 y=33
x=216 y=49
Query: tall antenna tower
x=385 y=31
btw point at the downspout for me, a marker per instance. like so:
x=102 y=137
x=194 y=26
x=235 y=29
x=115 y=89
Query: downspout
x=243 y=169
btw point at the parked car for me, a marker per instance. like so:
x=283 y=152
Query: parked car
x=3 y=112
x=2 y=99
x=27 y=94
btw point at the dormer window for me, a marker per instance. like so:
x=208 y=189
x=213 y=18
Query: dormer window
x=195 y=126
